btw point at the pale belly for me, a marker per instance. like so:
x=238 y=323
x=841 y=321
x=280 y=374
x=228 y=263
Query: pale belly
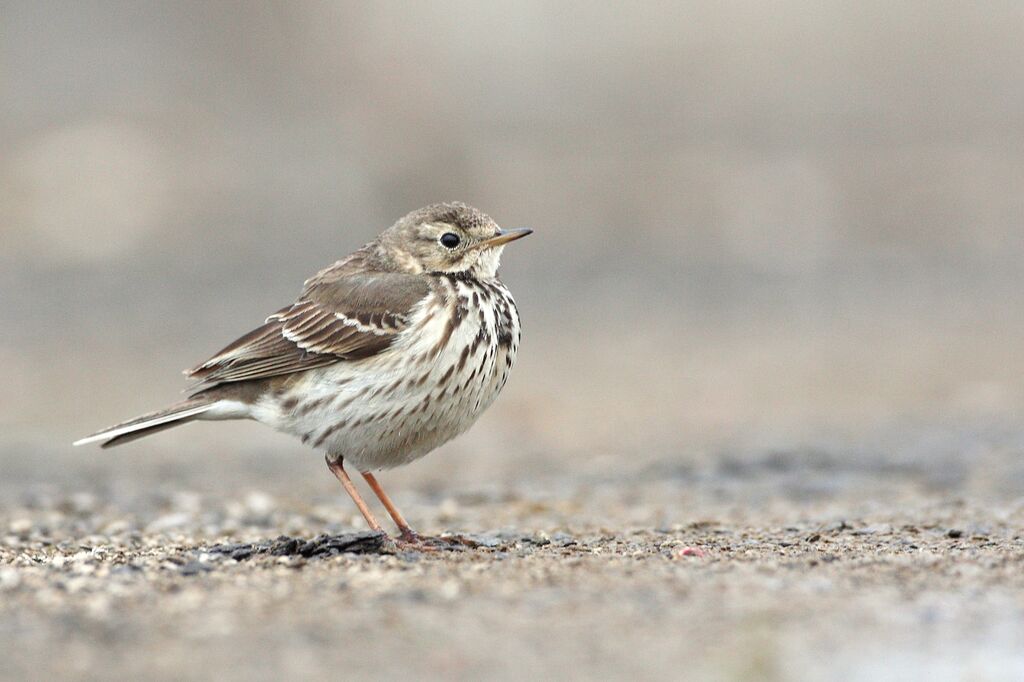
x=397 y=406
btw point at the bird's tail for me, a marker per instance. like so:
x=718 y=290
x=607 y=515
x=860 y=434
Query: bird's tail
x=150 y=423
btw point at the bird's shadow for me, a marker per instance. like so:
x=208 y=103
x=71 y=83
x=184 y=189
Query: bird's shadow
x=320 y=547
x=324 y=546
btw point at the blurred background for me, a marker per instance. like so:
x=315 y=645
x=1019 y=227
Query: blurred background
x=760 y=227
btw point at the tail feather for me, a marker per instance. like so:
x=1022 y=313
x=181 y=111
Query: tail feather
x=149 y=423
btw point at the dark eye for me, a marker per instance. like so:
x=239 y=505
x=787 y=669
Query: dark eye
x=449 y=240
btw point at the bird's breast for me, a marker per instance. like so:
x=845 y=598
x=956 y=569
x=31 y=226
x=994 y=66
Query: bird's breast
x=432 y=384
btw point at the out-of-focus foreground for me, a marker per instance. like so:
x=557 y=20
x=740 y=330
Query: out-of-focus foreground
x=769 y=237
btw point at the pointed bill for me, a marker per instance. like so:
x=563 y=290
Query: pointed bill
x=504 y=237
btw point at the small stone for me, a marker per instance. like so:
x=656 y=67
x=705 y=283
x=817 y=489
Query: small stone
x=117 y=527
x=450 y=590
x=259 y=503
x=82 y=503
x=492 y=540
x=242 y=553
x=228 y=548
x=448 y=509
x=563 y=539
x=194 y=568
x=125 y=569
x=955 y=533
x=308 y=549
x=98 y=607
x=169 y=522
x=9 y=578
x=284 y=546
x=187 y=501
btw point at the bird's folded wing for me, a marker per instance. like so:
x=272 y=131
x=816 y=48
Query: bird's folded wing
x=338 y=317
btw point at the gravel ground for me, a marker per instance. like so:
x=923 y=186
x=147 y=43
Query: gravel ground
x=795 y=567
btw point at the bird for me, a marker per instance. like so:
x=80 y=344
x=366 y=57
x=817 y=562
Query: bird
x=387 y=354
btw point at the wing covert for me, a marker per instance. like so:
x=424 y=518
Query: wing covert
x=338 y=317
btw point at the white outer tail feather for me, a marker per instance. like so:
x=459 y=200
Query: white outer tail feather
x=122 y=429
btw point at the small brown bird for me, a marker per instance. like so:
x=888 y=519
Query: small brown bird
x=386 y=354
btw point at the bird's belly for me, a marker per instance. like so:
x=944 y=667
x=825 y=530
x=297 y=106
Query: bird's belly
x=397 y=406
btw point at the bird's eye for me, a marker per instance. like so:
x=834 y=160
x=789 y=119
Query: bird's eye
x=450 y=240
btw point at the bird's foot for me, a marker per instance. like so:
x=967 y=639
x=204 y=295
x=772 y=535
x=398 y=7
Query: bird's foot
x=409 y=536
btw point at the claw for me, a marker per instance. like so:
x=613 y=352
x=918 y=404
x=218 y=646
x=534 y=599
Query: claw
x=410 y=536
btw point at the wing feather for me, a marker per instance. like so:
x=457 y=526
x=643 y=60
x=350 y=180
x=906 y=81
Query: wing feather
x=339 y=316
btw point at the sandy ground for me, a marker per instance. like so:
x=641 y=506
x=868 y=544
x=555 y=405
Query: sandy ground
x=771 y=566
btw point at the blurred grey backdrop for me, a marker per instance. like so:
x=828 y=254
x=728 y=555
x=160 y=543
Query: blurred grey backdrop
x=759 y=226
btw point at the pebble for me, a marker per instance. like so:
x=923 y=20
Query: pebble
x=690 y=552
x=169 y=522
x=259 y=503
x=450 y=590
x=9 y=578
x=194 y=568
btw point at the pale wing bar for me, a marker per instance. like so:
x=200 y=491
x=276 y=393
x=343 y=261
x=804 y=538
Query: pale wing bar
x=345 y=318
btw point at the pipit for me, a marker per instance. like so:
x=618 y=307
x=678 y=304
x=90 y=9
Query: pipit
x=386 y=354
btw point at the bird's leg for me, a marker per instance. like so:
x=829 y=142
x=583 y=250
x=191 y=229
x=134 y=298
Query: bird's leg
x=338 y=469
x=407 y=533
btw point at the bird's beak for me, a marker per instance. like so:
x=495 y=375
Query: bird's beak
x=504 y=237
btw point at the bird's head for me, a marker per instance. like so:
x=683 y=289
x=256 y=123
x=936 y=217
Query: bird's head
x=452 y=238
